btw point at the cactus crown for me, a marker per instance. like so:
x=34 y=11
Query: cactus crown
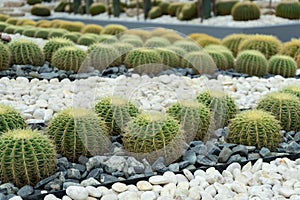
x=288 y=9
x=113 y=29
x=290 y=48
x=282 y=65
x=292 y=89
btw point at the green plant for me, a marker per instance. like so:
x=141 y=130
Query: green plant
x=113 y=29
x=244 y=11
x=40 y=10
x=9 y=117
x=42 y=33
x=152 y=136
x=10 y=29
x=68 y=58
x=155 y=12
x=225 y=51
x=26 y=157
x=147 y=7
x=221 y=105
x=282 y=65
x=288 y=9
x=33 y=2
x=224 y=7
x=78 y=132
x=172 y=9
x=155 y=42
x=199 y=61
x=12 y=20
x=123 y=48
x=29 y=32
x=73 y=36
x=43 y=23
x=126 y=36
x=72 y=26
x=290 y=48
x=168 y=57
x=3 y=25
x=142 y=56
x=97 y=8
x=116 y=112
x=102 y=56
x=219 y=59
x=187 y=12
x=92 y=28
x=180 y=52
x=87 y=39
x=164 y=7
x=60 y=7
x=56 y=23
x=194 y=117
x=188 y=46
x=116 y=8
x=251 y=62
x=57 y=32
x=209 y=40
x=134 y=42
x=255 y=128
x=232 y=42
x=3 y=17
x=297 y=59
x=26 y=52
x=107 y=39
x=19 y=30
x=285 y=107
x=53 y=44
x=26 y=22
x=292 y=89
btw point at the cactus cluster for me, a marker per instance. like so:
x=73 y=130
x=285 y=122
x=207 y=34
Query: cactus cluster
x=245 y=11
x=142 y=56
x=53 y=44
x=255 y=128
x=173 y=7
x=10 y=119
x=288 y=9
x=282 y=65
x=5 y=57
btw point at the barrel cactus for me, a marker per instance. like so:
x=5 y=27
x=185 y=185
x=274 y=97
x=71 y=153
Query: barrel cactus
x=224 y=7
x=187 y=12
x=68 y=58
x=114 y=29
x=53 y=44
x=225 y=52
x=282 y=65
x=219 y=59
x=142 y=56
x=152 y=136
x=29 y=32
x=40 y=10
x=87 y=39
x=26 y=52
x=73 y=36
x=10 y=119
x=116 y=112
x=255 y=128
x=194 y=118
x=205 y=41
x=155 y=42
x=78 y=132
x=3 y=17
x=290 y=48
x=200 y=61
x=57 y=32
x=92 y=28
x=123 y=48
x=187 y=45
x=10 y=29
x=288 y=9
x=72 y=26
x=26 y=157
x=285 y=107
x=155 y=12
x=5 y=57
x=245 y=11
x=42 y=33
x=168 y=57
x=173 y=7
x=180 y=52
x=292 y=89
x=222 y=107
x=251 y=62
x=232 y=42
x=97 y=8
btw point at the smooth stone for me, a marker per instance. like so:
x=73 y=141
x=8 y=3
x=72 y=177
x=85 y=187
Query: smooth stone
x=66 y=198
x=158 y=180
x=188 y=174
x=77 y=192
x=110 y=197
x=119 y=187
x=190 y=156
x=257 y=165
x=253 y=156
x=293 y=147
x=51 y=197
x=74 y=173
x=170 y=176
x=144 y=186
x=94 y=192
x=90 y=182
x=16 y=198
x=264 y=152
x=286 y=191
x=149 y=195
x=25 y=191
x=174 y=167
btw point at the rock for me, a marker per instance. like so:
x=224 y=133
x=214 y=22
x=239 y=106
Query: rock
x=106 y=178
x=66 y=198
x=77 y=192
x=109 y=197
x=253 y=156
x=234 y=158
x=159 y=165
x=224 y=155
x=188 y=174
x=158 y=180
x=90 y=182
x=264 y=152
x=286 y=191
x=95 y=173
x=115 y=163
x=25 y=191
x=293 y=147
x=144 y=186
x=119 y=187
x=240 y=149
x=45 y=181
x=74 y=173
x=51 y=197
x=138 y=166
x=203 y=160
x=174 y=167
x=94 y=192
x=297 y=137
x=190 y=156
x=149 y=195
x=257 y=166
x=170 y=176
x=16 y=198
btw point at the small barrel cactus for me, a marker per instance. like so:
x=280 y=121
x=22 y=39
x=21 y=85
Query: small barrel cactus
x=92 y=28
x=42 y=33
x=173 y=7
x=200 y=61
x=187 y=45
x=68 y=58
x=134 y=42
x=10 y=119
x=224 y=7
x=155 y=12
x=116 y=112
x=255 y=128
x=78 y=132
x=73 y=36
x=219 y=59
x=266 y=44
x=26 y=52
x=251 y=62
x=194 y=117
x=285 y=107
x=12 y=20
x=87 y=39
x=152 y=136
x=72 y=26
x=225 y=51
x=3 y=17
x=114 y=29
x=3 y=26
x=142 y=56
x=282 y=65
x=5 y=57
x=164 y=7
x=187 y=12
x=168 y=57
x=180 y=52
x=10 y=29
x=29 y=32
x=40 y=10
x=290 y=48
x=292 y=89
x=245 y=11
x=288 y=9
x=232 y=42
x=155 y=42
x=26 y=157
x=97 y=8
x=107 y=39
x=53 y=44
x=222 y=107
x=123 y=48
x=57 y=32
x=204 y=41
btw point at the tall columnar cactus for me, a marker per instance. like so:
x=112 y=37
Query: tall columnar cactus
x=255 y=128
x=102 y=56
x=194 y=117
x=168 y=57
x=5 y=57
x=26 y=52
x=187 y=45
x=142 y=56
x=114 y=29
x=155 y=42
x=26 y=157
x=224 y=7
x=288 y=9
x=292 y=89
x=68 y=58
x=251 y=62
x=290 y=48
x=282 y=65
x=219 y=59
x=152 y=136
x=116 y=8
x=200 y=61
x=10 y=119
x=78 y=132
x=285 y=107
x=233 y=41
x=147 y=5
x=222 y=107
x=266 y=44
x=53 y=44
x=116 y=112
x=245 y=11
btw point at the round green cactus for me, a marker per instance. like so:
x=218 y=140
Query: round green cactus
x=232 y=42
x=78 y=132
x=26 y=52
x=200 y=61
x=219 y=59
x=288 y=9
x=3 y=25
x=180 y=52
x=107 y=39
x=285 y=107
x=40 y=10
x=12 y=20
x=10 y=119
x=102 y=56
x=187 y=45
x=222 y=107
x=116 y=112
x=5 y=57
x=53 y=44
x=134 y=42
x=224 y=7
x=156 y=42
x=26 y=157
x=225 y=52
x=113 y=29
x=266 y=44
x=187 y=12
x=126 y=36
x=251 y=62
x=97 y=8
x=87 y=39
x=164 y=7
x=123 y=48
x=56 y=32
x=68 y=58
x=73 y=36
x=142 y=56
x=10 y=29
x=155 y=12
x=290 y=48
x=208 y=40
x=255 y=128
x=3 y=17
x=172 y=9
x=245 y=11
x=152 y=136
x=292 y=89
x=72 y=26
x=194 y=117
x=92 y=28
x=19 y=30
x=282 y=65
x=33 y=2
x=29 y=32
x=42 y=33
x=168 y=57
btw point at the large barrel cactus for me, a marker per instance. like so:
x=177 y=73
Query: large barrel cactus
x=10 y=119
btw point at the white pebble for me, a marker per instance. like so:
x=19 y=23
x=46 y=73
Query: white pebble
x=77 y=192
